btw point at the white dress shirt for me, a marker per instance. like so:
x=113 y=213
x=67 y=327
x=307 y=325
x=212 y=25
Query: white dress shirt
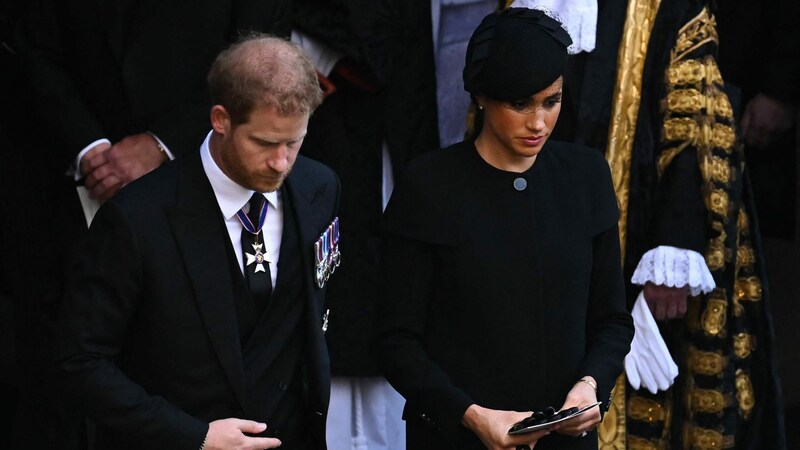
x=232 y=197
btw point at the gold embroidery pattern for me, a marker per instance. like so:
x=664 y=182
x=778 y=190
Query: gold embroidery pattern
x=704 y=439
x=692 y=71
x=686 y=101
x=716 y=253
x=681 y=129
x=744 y=394
x=714 y=317
x=707 y=401
x=743 y=223
x=698 y=32
x=645 y=410
x=706 y=363
x=715 y=256
x=716 y=169
x=692 y=101
x=748 y=288
x=638 y=443
x=718 y=202
x=746 y=257
x=743 y=345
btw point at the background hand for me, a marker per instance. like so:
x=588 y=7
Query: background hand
x=666 y=302
x=765 y=119
x=491 y=426
x=579 y=396
x=229 y=434
x=125 y=161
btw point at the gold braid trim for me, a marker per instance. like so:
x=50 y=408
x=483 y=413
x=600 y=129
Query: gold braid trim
x=716 y=253
x=645 y=409
x=744 y=394
x=714 y=316
x=611 y=432
x=743 y=224
x=696 y=33
x=698 y=438
x=748 y=288
x=743 y=345
x=626 y=99
x=705 y=363
x=709 y=401
x=716 y=169
x=639 y=19
x=638 y=443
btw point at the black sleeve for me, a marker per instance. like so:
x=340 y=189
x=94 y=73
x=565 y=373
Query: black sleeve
x=56 y=98
x=408 y=270
x=101 y=302
x=609 y=325
x=679 y=212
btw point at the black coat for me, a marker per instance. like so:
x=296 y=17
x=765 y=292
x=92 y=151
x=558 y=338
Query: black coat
x=109 y=69
x=150 y=342
x=500 y=297
x=389 y=43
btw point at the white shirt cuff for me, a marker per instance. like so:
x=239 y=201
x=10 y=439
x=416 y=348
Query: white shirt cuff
x=162 y=146
x=323 y=57
x=674 y=267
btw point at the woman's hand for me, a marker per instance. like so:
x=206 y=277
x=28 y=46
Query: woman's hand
x=582 y=394
x=491 y=426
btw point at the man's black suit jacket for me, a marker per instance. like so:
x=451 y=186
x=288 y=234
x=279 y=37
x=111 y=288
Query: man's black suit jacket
x=150 y=341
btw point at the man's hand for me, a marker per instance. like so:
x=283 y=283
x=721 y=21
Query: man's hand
x=491 y=426
x=765 y=119
x=666 y=302
x=93 y=159
x=229 y=434
x=582 y=394
x=125 y=161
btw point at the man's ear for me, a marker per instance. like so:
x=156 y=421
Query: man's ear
x=220 y=120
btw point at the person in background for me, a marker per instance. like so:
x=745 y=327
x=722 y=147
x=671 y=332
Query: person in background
x=376 y=63
x=501 y=290
x=702 y=369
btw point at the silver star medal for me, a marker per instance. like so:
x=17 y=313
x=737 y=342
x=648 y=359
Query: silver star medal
x=258 y=259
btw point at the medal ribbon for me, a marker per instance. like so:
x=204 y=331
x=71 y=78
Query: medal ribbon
x=248 y=224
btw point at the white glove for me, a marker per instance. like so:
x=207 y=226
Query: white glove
x=649 y=363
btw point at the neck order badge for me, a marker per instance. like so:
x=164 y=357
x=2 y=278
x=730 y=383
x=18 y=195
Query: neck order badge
x=252 y=223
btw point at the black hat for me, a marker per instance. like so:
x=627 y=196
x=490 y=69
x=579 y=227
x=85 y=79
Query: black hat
x=515 y=53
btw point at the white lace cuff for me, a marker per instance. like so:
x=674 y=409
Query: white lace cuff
x=578 y=16
x=674 y=267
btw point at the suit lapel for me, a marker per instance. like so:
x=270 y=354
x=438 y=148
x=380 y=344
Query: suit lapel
x=201 y=236
x=303 y=191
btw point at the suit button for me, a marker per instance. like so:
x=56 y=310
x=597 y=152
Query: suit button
x=283 y=386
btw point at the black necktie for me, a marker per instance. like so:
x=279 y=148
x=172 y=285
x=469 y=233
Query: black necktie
x=256 y=268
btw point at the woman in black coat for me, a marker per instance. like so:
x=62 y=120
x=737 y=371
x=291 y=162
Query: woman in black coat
x=502 y=289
